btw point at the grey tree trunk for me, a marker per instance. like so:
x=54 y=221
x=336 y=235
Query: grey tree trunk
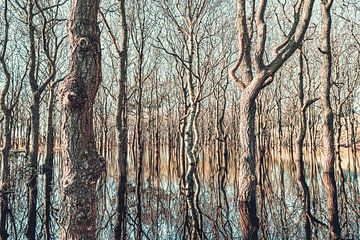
x=299 y=156
x=49 y=165
x=34 y=129
x=121 y=128
x=82 y=165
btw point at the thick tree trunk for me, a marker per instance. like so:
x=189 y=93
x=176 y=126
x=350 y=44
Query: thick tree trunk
x=121 y=128
x=247 y=179
x=328 y=127
x=82 y=165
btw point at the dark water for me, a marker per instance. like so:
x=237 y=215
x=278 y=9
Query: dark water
x=163 y=204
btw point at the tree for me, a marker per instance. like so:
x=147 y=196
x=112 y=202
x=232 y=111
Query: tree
x=328 y=119
x=82 y=165
x=303 y=104
x=121 y=127
x=7 y=105
x=255 y=75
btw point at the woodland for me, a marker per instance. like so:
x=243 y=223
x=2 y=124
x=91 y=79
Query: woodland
x=179 y=119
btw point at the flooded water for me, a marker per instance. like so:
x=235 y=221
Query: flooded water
x=279 y=206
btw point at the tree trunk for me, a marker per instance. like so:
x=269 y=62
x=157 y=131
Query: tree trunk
x=5 y=171
x=328 y=127
x=48 y=167
x=82 y=163
x=299 y=161
x=32 y=180
x=247 y=179
x=34 y=130
x=6 y=147
x=191 y=172
x=121 y=128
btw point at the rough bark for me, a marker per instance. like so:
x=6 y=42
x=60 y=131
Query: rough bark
x=121 y=127
x=247 y=180
x=328 y=125
x=255 y=75
x=82 y=165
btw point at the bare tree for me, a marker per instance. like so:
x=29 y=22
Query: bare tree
x=121 y=121
x=8 y=101
x=299 y=157
x=255 y=75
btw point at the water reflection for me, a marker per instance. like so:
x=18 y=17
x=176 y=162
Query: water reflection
x=280 y=201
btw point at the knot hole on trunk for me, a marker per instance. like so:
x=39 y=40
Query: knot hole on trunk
x=84 y=43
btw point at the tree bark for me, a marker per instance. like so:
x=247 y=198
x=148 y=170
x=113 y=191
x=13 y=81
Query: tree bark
x=49 y=165
x=82 y=165
x=299 y=157
x=247 y=180
x=255 y=75
x=121 y=128
x=34 y=129
x=328 y=125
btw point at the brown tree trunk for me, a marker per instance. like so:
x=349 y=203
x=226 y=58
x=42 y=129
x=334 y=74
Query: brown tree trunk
x=255 y=75
x=328 y=127
x=82 y=163
x=247 y=179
